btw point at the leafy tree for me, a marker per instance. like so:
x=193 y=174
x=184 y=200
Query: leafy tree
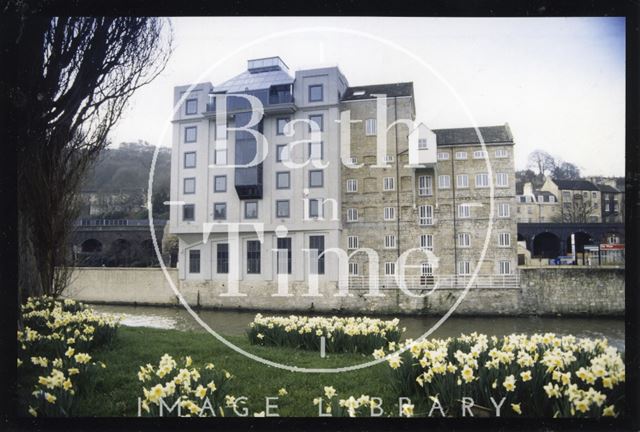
x=72 y=78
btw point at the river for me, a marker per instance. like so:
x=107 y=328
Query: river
x=233 y=323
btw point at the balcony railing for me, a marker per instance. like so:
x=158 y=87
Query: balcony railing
x=456 y=282
x=118 y=222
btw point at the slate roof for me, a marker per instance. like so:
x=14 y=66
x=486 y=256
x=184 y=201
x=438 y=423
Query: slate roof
x=466 y=136
x=391 y=90
x=248 y=81
x=607 y=188
x=582 y=185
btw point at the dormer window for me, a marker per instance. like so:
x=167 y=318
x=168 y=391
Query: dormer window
x=422 y=144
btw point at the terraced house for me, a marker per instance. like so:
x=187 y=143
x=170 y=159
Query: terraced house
x=422 y=189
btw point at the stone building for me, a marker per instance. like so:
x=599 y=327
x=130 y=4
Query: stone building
x=612 y=203
x=579 y=200
x=429 y=190
x=536 y=206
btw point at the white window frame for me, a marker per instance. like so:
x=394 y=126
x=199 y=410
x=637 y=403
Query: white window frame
x=389 y=268
x=425 y=185
x=390 y=241
x=482 y=184
x=353 y=242
x=464 y=240
x=442 y=184
x=352 y=185
x=464 y=268
x=352 y=215
x=480 y=154
x=388 y=158
x=504 y=239
x=388 y=184
x=464 y=211
x=502 y=153
x=461 y=155
x=426 y=242
x=425 y=215
x=462 y=181
x=443 y=155
x=502 y=179
x=501 y=212
x=389 y=213
x=353 y=269
x=504 y=267
x=422 y=144
x=370 y=127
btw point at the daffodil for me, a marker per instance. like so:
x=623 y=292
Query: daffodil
x=282 y=392
x=329 y=392
x=407 y=410
x=609 y=411
x=516 y=408
x=525 y=376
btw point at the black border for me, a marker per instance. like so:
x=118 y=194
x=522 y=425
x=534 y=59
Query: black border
x=435 y=8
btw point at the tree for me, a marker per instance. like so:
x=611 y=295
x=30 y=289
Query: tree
x=566 y=171
x=73 y=77
x=578 y=210
x=542 y=162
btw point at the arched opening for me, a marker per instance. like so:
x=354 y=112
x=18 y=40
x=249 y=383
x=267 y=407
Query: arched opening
x=520 y=237
x=91 y=246
x=120 y=253
x=582 y=239
x=546 y=245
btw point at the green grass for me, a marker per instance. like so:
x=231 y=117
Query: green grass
x=118 y=388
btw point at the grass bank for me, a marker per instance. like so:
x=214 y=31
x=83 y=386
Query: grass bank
x=118 y=388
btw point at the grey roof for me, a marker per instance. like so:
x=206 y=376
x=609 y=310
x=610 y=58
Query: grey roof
x=248 y=81
x=608 y=189
x=463 y=136
x=582 y=185
x=391 y=90
x=543 y=193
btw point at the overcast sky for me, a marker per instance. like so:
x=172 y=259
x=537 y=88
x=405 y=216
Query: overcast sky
x=558 y=82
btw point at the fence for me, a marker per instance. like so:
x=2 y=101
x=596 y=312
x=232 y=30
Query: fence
x=507 y=281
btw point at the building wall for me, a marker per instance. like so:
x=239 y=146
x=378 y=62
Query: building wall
x=544 y=291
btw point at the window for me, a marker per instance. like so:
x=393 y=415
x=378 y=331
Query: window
x=606 y=206
x=190 y=134
x=251 y=209
x=316 y=93
x=284 y=265
x=191 y=106
x=426 y=242
x=317 y=243
x=253 y=257
x=282 y=208
x=220 y=183
x=388 y=184
x=222 y=258
x=585 y=194
x=594 y=194
x=444 y=181
x=280 y=125
x=352 y=242
x=189 y=185
x=425 y=215
x=389 y=268
x=504 y=210
x=529 y=210
x=462 y=181
x=316 y=178
x=502 y=180
x=464 y=211
x=464 y=268
x=219 y=211
x=353 y=161
x=464 y=240
x=426 y=269
x=282 y=152
x=502 y=153
x=505 y=267
x=370 y=126
x=388 y=158
x=443 y=155
x=425 y=185
x=566 y=195
x=482 y=180
x=352 y=215
x=504 y=239
x=390 y=241
x=318 y=119
x=353 y=269
x=315 y=150
x=422 y=144
x=194 y=261
x=314 y=208
x=480 y=154
x=283 y=180
x=389 y=213
x=552 y=198
x=190 y=160
x=188 y=212
x=461 y=155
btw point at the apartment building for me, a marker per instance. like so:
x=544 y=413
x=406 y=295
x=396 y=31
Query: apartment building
x=580 y=200
x=427 y=190
x=536 y=206
x=209 y=192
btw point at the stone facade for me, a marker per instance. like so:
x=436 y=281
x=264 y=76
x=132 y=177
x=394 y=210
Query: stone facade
x=579 y=200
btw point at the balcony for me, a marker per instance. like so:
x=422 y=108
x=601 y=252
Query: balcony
x=274 y=101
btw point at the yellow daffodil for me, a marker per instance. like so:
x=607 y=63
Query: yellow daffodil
x=282 y=392
x=609 y=411
x=516 y=408
x=329 y=392
x=407 y=410
x=525 y=376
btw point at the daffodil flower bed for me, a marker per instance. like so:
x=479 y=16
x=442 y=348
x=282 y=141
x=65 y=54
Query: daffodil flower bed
x=54 y=349
x=351 y=334
x=171 y=390
x=330 y=405
x=537 y=376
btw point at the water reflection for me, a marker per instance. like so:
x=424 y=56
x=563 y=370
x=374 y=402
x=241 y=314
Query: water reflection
x=232 y=323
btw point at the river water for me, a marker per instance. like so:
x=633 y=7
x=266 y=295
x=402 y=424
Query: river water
x=233 y=323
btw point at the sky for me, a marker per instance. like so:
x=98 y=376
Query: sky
x=558 y=82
